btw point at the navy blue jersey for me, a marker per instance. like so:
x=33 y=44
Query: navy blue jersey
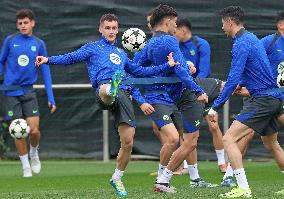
x=198 y=52
x=155 y=52
x=250 y=66
x=275 y=52
x=19 y=54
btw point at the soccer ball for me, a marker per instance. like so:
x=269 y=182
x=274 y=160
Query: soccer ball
x=280 y=80
x=133 y=39
x=19 y=129
x=280 y=67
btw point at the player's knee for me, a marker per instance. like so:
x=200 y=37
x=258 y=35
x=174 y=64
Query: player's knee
x=172 y=141
x=190 y=145
x=227 y=140
x=34 y=131
x=127 y=144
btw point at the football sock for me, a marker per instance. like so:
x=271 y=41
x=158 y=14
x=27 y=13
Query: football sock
x=117 y=175
x=193 y=171
x=220 y=156
x=165 y=177
x=229 y=172
x=25 y=161
x=241 y=178
x=185 y=165
x=33 y=150
x=161 y=169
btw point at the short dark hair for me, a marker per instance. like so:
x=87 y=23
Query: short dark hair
x=184 y=23
x=280 y=16
x=160 y=12
x=235 y=13
x=150 y=13
x=109 y=17
x=23 y=13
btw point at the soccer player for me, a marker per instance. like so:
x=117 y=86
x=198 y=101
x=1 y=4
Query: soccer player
x=194 y=49
x=250 y=66
x=18 y=54
x=274 y=48
x=197 y=51
x=164 y=117
x=107 y=65
x=163 y=22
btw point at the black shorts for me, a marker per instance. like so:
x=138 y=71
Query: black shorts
x=121 y=108
x=22 y=106
x=260 y=114
x=166 y=114
x=211 y=86
x=191 y=110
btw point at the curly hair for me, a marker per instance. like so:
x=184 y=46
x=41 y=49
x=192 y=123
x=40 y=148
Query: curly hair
x=234 y=13
x=160 y=12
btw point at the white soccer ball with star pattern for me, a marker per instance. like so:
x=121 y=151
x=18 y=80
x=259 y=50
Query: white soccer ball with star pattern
x=19 y=129
x=133 y=39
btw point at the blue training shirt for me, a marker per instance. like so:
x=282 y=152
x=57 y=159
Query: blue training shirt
x=103 y=59
x=250 y=65
x=275 y=52
x=155 y=52
x=18 y=54
x=198 y=52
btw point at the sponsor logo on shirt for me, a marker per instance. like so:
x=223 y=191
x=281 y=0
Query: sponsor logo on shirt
x=16 y=45
x=33 y=48
x=23 y=60
x=114 y=58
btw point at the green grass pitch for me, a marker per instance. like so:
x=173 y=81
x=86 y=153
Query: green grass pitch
x=90 y=179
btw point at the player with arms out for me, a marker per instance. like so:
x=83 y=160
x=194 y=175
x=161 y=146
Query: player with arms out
x=107 y=66
x=18 y=54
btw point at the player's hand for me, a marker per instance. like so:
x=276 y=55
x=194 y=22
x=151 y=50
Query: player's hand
x=203 y=98
x=171 y=60
x=212 y=115
x=191 y=67
x=41 y=60
x=52 y=107
x=147 y=108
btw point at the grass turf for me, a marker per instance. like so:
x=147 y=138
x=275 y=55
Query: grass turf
x=90 y=179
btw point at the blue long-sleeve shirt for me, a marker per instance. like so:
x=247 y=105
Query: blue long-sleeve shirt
x=198 y=55
x=155 y=53
x=275 y=52
x=250 y=66
x=103 y=59
x=18 y=54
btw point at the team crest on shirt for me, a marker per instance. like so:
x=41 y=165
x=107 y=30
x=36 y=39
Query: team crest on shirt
x=114 y=58
x=33 y=48
x=192 y=52
x=166 y=117
x=23 y=60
